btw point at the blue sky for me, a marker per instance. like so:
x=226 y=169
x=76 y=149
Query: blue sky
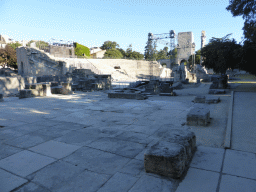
x=125 y=21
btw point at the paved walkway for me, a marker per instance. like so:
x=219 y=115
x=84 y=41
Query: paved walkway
x=88 y=142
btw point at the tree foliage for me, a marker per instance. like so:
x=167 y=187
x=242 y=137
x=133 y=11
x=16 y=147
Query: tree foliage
x=15 y=45
x=247 y=9
x=8 y=56
x=173 y=55
x=220 y=54
x=150 y=52
x=81 y=50
x=38 y=43
x=163 y=54
x=130 y=54
x=197 y=58
x=109 y=45
x=113 y=54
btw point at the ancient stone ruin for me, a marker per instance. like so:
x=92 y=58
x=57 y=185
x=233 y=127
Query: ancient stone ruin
x=171 y=155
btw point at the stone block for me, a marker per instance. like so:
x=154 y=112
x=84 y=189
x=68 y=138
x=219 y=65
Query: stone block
x=37 y=86
x=165 y=88
x=168 y=94
x=46 y=89
x=66 y=88
x=28 y=86
x=56 y=90
x=177 y=85
x=54 y=83
x=1 y=97
x=198 y=115
x=165 y=158
x=25 y=93
x=127 y=96
x=184 y=137
x=199 y=99
x=212 y=99
x=217 y=91
x=214 y=85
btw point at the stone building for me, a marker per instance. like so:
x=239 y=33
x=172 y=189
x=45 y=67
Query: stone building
x=97 y=53
x=4 y=40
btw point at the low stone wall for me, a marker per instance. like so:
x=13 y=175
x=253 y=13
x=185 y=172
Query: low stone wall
x=11 y=85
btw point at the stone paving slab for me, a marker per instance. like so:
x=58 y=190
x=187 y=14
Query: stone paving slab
x=124 y=148
x=208 y=158
x=152 y=183
x=134 y=167
x=97 y=161
x=86 y=136
x=104 y=164
x=29 y=162
x=6 y=150
x=32 y=187
x=9 y=181
x=55 y=149
x=121 y=181
x=29 y=140
x=240 y=163
x=236 y=184
x=87 y=180
x=199 y=180
x=54 y=174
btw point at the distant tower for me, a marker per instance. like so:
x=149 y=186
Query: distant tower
x=203 y=37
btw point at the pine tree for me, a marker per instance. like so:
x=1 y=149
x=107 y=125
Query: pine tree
x=148 y=53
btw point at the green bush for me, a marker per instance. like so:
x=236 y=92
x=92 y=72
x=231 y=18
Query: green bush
x=81 y=50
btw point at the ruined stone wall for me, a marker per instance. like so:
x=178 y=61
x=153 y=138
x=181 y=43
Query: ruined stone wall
x=11 y=85
x=62 y=51
x=32 y=62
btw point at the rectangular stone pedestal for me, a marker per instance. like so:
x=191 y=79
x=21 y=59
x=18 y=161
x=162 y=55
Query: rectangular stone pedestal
x=25 y=93
x=198 y=115
x=46 y=89
x=171 y=155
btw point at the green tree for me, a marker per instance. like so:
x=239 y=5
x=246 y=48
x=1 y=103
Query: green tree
x=173 y=54
x=197 y=58
x=14 y=45
x=38 y=43
x=128 y=53
x=8 y=56
x=81 y=50
x=149 y=49
x=245 y=8
x=122 y=51
x=3 y=57
x=113 y=54
x=219 y=54
x=109 y=45
x=163 y=54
